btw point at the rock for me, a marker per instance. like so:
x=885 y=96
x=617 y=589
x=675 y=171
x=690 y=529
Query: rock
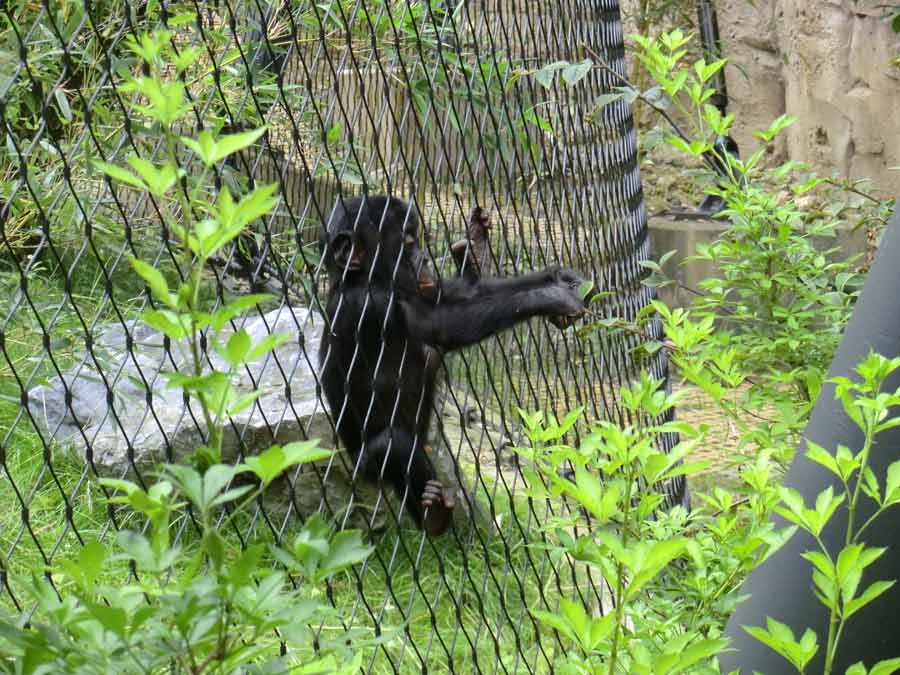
x=121 y=417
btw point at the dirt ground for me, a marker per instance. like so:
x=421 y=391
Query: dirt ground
x=720 y=447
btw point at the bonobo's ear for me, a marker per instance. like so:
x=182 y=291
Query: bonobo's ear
x=346 y=253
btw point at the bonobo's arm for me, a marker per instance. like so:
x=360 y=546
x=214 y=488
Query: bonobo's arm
x=467 y=312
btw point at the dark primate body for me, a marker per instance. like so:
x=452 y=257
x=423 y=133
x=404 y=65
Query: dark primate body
x=390 y=322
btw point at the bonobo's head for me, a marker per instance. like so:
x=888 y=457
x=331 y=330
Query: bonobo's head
x=376 y=238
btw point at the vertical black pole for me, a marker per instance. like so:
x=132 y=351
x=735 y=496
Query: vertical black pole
x=712 y=50
x=782 y=587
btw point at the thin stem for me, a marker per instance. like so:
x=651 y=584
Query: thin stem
x=870 y=420
x=866 y=524
x=620 y=573
x=214 y=435
x=836 y=623
x=849 y=188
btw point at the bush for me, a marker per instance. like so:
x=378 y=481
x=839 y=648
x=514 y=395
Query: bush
x=197 y=606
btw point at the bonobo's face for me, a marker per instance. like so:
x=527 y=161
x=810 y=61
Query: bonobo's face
x=377 y=238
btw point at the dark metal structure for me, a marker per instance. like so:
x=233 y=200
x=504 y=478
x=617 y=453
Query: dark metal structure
x=782 y=588
x=432 y=101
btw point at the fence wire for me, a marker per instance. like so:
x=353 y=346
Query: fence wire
x=432 y=101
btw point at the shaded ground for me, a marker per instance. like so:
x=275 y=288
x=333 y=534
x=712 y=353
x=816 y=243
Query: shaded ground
x=496 y=460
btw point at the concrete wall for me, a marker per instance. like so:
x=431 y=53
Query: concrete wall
x=827 y=62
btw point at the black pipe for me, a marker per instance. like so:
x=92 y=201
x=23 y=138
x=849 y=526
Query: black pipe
x=712 y=50
x=782 y=586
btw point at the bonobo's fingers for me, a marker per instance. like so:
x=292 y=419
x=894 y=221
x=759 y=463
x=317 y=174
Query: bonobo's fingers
x=438 y=503
x=568 y=303
x=563 y=321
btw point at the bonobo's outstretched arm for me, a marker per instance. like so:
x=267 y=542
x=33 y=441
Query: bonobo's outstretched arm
x=467 y=312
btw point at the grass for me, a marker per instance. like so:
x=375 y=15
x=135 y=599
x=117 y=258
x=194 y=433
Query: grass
x=445 y=604
x=458 y=603
x=440 y=605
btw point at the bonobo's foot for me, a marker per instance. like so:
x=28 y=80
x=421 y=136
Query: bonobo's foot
x=569 y=303
x=438 y=503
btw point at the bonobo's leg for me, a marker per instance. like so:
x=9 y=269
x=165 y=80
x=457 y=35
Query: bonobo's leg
x=393 y=456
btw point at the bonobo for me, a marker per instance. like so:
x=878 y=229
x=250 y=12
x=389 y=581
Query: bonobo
x=390 y=322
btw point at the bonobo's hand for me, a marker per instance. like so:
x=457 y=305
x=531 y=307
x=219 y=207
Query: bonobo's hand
x=439 y=503
x=567 y=304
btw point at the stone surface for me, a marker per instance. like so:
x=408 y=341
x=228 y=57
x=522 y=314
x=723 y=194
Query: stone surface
x=122 y=414
x=683 y=236
x=826 y=63
x=142 y=423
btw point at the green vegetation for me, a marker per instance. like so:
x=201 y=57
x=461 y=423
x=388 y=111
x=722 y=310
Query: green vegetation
x=188 y=581
x=768 y=323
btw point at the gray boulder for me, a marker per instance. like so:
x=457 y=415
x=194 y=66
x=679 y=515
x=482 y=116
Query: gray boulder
x=115 y=411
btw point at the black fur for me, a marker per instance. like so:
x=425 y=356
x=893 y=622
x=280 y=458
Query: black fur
x=391 y=321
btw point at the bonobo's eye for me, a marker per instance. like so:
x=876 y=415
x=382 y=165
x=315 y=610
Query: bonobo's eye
x=409 y=241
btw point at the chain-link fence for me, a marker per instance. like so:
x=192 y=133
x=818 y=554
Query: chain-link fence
x=432 y=101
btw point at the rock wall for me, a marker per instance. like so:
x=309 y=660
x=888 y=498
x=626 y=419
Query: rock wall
x=826 y=63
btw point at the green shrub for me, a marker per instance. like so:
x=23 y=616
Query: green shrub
x=198 y=606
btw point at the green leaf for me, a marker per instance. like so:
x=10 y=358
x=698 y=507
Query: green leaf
x=702 y=649
x=231 y=218
x=826 y=504
x=156 y=281
x=267 y=344
x=112 y=618
x=780 y=638
x=302 y=452
x=706 y=71
x=892 y=484
x=215 y=478
x=204 y=145
x=576 y=72
x=821 y=456
x=345 y=550
x=242 y=571
x=255 y=204
x=243 y=402
x=605 y=99
x=269 y=464
x=888 y=667
x=137 y=548
x=231 y=495
x=231 y=143
x=555 y=621
x=577 y=617
x=658 y=555
x=237 y=348
x=63 y=104
x=170 y=324
x=86 y=567
x=188 y=481
x=235 y=308
x=158 y=180
x=211 y=149
x=546 y=74
x=867 y=596
x=119 y=174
